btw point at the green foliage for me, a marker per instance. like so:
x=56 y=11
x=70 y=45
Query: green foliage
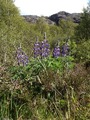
x=60 y=64
x=82 y=36
x=15 y=31
x=47 y=96
x=83 y=51
x=12 y=30
x=41 y=25
x=67 y=27
x=35 y=66
x=83 y=29
x=45 y=89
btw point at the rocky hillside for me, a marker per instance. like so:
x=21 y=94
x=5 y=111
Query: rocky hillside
x=54 y=19
x=75 y=17
x=34 y=18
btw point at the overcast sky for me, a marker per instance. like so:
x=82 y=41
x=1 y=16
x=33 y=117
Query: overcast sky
x=49 y=7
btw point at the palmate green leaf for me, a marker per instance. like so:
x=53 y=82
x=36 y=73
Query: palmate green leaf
x=36 y=66
x=59 y=63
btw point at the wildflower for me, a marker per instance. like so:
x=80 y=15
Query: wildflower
x=56 y=51
x=45 y=48
x=37 y=49
x=65 y=50
x=22 y=58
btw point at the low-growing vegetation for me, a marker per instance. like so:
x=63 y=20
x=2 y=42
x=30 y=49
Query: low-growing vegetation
x=43 y=78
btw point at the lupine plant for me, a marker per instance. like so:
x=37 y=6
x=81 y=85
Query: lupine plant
x=45 y=47
x=65 y=49
x=43 y=60
x=57 y=61
x=37 y=49
x=41 y=49
x=56 y=51
x=22 y=58
x=44 y=71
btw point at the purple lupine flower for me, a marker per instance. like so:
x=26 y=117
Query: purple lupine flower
x=65 y=50
x=22 y=58
x=56 y=52
x=45 y=48
x=19 y=55
x=37 y=49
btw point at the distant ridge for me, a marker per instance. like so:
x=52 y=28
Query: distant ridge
x=54 y=18
x=75 y=17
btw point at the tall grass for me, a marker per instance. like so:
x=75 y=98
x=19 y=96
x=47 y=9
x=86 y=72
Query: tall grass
x=42 y=93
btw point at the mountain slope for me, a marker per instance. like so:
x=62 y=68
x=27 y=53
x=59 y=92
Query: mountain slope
x=54 y=19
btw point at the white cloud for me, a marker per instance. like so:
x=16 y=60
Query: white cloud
x=48 y=7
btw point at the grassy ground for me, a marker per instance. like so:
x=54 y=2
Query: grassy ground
x=47 y=96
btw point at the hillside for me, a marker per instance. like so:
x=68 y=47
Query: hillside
x=54 y=18
x=44 y=68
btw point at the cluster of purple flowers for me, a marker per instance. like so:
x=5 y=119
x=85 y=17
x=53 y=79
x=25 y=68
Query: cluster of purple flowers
x=22 y=58
x=45 y=48
x=37 y=49
x=41 y=49
x=63 y=52
x=56 y=51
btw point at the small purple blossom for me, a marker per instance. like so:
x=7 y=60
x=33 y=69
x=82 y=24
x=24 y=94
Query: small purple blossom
x=56 y=52
x=22 y=58
x=37 y=49
x=65 y=50
x=45 y=48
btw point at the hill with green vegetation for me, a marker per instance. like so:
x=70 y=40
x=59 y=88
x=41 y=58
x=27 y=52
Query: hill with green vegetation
x=44 y=65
